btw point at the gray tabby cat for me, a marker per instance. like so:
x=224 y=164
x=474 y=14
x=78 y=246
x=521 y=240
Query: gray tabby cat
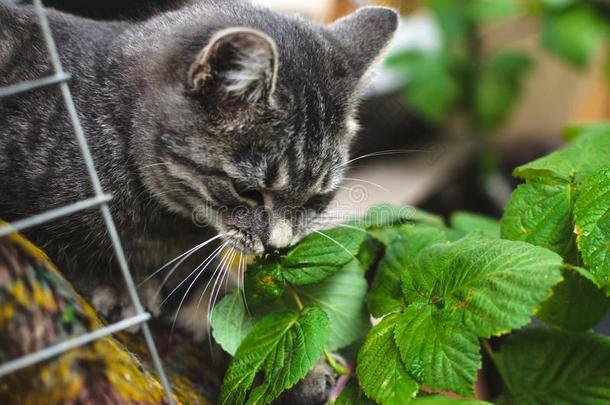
x=222 y=108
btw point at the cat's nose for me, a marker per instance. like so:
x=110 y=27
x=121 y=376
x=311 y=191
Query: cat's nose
x=280 y=234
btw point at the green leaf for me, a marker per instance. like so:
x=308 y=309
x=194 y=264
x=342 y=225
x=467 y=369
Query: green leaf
x=466 y=222
x=577 y=304
x=321 y=254
x=230 y=322
x=432 y=89
x=369 y=252
x=558 y=3
x=540 y=212
x=385 y=295
x=585 y=155
x=491 y=286
x=440 y=400
x=499 y=87
x=284 y=347
x=382 y=375
x=552 y=367
x=342 y=297
x=438 y=350
x=484 y=10
x=573 y=35
x=263 y=282
x=353 y=395
x=387 y=214
x=592 y=218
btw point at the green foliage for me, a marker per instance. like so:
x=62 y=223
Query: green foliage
x=432 y=89
x=592 y=219
x=284 y=346
x=353 y=395
x=564 y=202
x=499 y=87
x=573 y=33
x=321 y=255
x=458 y=78
x=386 y=381
x=465 y=222
x=341 y=296
x=230 y=322
x=436 y=292
x=577 y=304
x=551 y=367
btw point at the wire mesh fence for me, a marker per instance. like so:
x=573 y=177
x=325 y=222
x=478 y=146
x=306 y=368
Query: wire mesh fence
x=100 y=200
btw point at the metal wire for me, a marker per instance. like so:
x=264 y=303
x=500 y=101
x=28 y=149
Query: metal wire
x=100 y=199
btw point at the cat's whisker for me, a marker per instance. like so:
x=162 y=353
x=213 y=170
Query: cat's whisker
x=188 y=253
x=334 y=241
x=367 y=182
x=216 y=276
x=351 y=227
x=244 y=267
x=200 y=268
x=184 y=297
x=220 y=264
x=222 y=277
x=384 y=153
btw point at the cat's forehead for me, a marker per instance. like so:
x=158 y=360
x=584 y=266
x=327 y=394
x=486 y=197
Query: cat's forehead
x=295 y=164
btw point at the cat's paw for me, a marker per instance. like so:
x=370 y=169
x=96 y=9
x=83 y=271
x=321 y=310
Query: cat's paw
x=113 y=305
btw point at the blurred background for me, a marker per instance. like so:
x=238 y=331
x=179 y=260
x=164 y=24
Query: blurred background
x=469 y=90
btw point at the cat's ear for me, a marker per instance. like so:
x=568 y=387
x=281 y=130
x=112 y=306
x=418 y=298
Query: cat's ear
x=365 y=34
x=238 y=64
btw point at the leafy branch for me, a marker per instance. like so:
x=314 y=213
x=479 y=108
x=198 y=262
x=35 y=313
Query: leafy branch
x=439 y=292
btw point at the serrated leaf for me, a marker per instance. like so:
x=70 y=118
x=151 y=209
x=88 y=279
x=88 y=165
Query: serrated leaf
x=437 y=350
x=353 y=395
x=385 y=295
x=466 y=222
x=540 y=212
x=284 y=347
x=553 y=367
x=320 y=255
x=573 y=35
x=491 y=286
x=230 y=322
x=263 y=282
x=577 y=304
x=342 y=297
x=585 y=155
x=592 y=220
x=382 y=375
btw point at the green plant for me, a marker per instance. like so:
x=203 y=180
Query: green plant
x=481 y=87
x=459 y=79
x=438 y=293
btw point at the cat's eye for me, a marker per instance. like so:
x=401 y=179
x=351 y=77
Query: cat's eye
x=248 y=193
x=319 y=201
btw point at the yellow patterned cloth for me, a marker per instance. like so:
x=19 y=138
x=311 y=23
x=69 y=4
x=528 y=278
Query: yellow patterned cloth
x=39 y=308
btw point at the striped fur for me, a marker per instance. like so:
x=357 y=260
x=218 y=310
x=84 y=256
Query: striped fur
x=222 y=109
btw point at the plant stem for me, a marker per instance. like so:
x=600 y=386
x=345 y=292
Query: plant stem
x=338 y=368
x=297 y=299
